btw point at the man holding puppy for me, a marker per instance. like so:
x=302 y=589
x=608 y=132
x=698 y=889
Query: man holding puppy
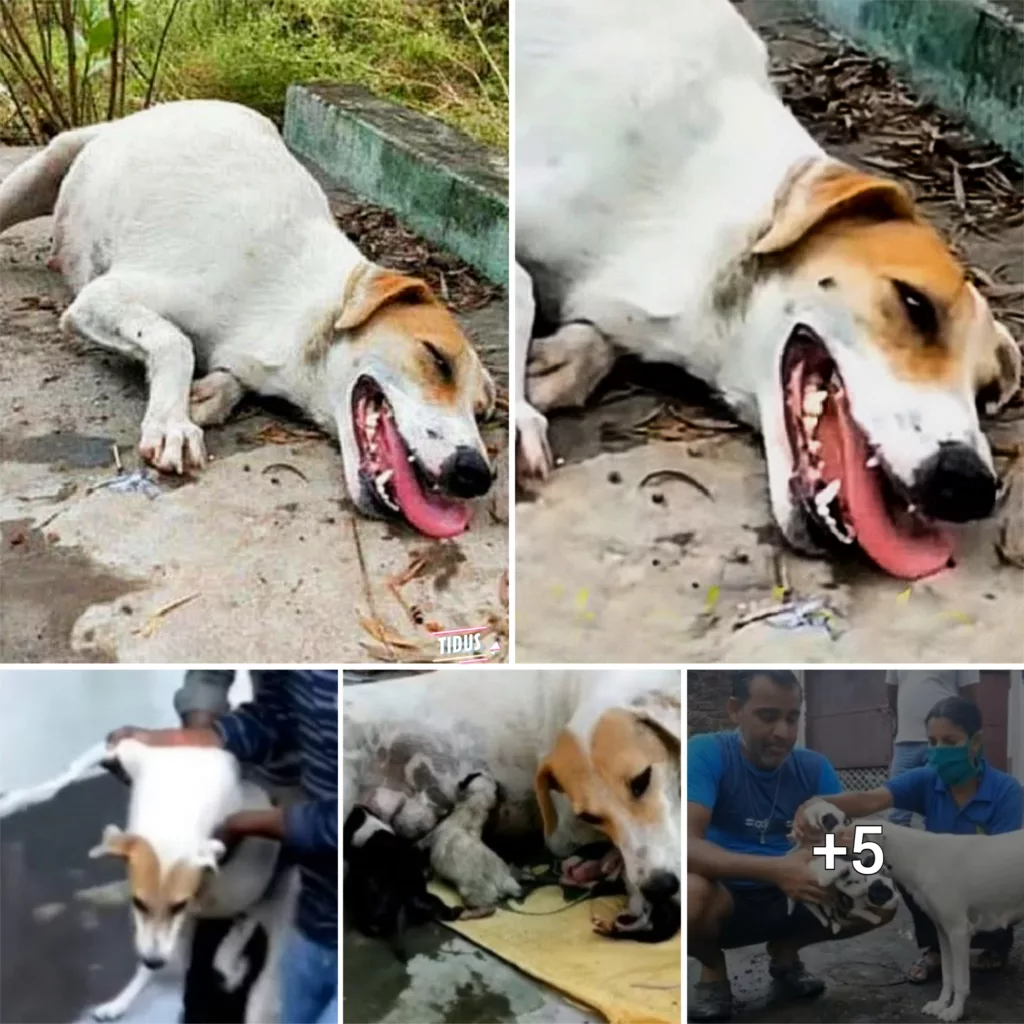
x=293 y=714
x=744 y=788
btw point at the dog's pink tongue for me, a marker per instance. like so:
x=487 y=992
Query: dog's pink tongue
x=429 y=513
x=908 y=549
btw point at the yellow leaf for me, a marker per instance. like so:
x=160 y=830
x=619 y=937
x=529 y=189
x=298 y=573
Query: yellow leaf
x=903 y=596
x=712 y=599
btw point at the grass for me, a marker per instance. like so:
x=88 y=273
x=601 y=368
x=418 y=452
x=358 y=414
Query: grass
x=448 y=58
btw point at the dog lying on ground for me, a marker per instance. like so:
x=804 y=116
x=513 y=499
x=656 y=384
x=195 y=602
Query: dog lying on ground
x=459 y=855
x=854 y=895
x=670 y=207
x=386 y=882
x=965 y=884
x=190 y=236
x=580 y=757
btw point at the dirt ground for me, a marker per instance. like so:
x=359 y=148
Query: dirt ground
x=865 y=978
x=260 y=558
x=613 y=568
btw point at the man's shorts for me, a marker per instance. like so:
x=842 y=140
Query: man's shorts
x=761 y=914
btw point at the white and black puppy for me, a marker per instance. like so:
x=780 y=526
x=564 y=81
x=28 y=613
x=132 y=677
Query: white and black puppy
x=386 y=882
x=459 y=855
x=853 y=894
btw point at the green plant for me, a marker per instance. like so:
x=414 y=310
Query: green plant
x=65 y=63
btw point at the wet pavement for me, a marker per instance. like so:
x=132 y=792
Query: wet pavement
x=866 y=983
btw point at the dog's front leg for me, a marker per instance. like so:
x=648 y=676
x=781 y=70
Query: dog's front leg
x=118 y=1006
x=533 y=456
x=112 y=311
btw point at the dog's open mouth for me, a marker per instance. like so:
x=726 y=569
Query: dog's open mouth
x=391 y=476
x=838 y=480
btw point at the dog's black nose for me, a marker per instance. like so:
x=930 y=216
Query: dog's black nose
x=955 y=485
x=466 y=474
x=661 y=886
x=879 y=893
x=154 y=963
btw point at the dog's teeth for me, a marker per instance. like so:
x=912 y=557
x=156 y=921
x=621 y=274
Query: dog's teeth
x=814 y=402
x=813 y=445
x=412 y=458
x=911 y=507
x=810 y=424
x=872 y=462
x=825 y=496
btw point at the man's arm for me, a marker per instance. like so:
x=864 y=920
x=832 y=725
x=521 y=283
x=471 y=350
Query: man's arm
x=710 y=860
x=967 y=684
x=253 y=731
x=203 y=696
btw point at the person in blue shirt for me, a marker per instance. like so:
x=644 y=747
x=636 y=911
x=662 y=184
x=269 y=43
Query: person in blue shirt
x=957 y=792
x=744 y=788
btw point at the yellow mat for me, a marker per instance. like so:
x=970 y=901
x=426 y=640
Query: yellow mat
x=627 y=982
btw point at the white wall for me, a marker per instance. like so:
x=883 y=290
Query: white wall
x=50 y=716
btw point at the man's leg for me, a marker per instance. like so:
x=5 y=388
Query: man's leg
x=927 y=966
x=309 y=980
x=708 y=905
x=904 y=757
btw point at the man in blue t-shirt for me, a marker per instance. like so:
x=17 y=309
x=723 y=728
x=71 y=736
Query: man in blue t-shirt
x=744 y=788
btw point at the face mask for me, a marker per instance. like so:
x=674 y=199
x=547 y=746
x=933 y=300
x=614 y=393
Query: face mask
x=953 y=764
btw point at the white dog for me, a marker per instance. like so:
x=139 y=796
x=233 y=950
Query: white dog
x=965 y=884
x=669 y=206
x=192 y=237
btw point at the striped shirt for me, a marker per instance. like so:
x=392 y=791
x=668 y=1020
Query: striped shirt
x=299 y=711
x=206 y=690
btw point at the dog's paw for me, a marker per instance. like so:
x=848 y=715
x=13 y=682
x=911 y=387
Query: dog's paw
x=213 y=398
x=172 y=446
x=942 y=1010
x=533 y=454
x=114 y=1010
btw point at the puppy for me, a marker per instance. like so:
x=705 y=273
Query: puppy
x=385 y=882
x=852 y=894
x=459 y=855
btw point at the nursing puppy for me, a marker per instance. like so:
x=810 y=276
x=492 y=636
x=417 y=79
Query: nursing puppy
x=459 y=855
x=386 y=882
x=191 y=238
x=670 y=207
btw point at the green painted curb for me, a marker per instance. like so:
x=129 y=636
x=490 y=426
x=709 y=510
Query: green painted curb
x=450 y=189
x=967 y=55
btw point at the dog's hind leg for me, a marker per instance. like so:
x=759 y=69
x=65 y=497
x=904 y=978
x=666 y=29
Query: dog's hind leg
x=566 y=367
x=533 y=456
x=112 y=311
x=120 y=1004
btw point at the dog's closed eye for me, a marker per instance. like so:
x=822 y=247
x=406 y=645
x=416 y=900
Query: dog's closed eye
x=177 y=908
x=638 y=786
x=140 y=905
x=441 y=361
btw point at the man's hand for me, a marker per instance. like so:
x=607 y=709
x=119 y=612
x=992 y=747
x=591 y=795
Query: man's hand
x=201 y=737
x=804 y=832
x=268 y=824
x=793 y=875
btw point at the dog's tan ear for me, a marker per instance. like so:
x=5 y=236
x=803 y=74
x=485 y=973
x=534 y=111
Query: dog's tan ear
x=114 y=843
x=544 y=782
x=997 y=378
x=817 y=193
x=374 y=289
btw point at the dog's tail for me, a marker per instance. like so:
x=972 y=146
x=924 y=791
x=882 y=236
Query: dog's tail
x=29 y=796
x=31 y=189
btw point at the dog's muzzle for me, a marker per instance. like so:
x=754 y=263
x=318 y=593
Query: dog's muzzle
x=660 y=887
x=880 y=893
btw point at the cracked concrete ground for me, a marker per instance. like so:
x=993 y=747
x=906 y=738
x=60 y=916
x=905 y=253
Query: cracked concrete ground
x=255 y=560
x=609 y=570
